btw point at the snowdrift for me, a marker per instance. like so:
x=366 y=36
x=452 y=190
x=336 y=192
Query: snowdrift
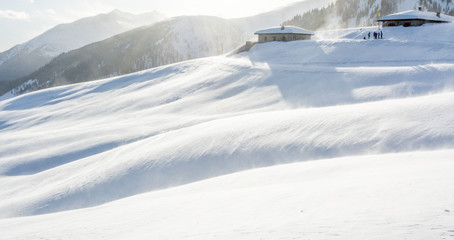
x=374 y=197
x=84 y=145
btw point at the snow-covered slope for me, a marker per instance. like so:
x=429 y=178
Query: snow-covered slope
x=174 y=40
x=133 y=142
x=25 y=58
x=361 y=13
x=377 y=197
x=276 y=17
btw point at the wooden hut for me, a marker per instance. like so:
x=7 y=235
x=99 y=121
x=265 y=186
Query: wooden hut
x=284 y=34
x=413 y=18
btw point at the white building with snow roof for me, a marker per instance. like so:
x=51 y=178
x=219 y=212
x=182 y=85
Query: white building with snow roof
x=284 y=34
x=414 y=18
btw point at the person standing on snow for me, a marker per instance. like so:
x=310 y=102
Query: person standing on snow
x=381 y=34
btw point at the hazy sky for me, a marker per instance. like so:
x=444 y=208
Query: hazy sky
x=21 y=20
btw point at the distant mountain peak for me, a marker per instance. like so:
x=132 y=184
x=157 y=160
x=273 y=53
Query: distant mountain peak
x=117 y=12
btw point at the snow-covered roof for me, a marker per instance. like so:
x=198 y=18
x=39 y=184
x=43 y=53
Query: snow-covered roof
x=285 y=30
x=413 y=14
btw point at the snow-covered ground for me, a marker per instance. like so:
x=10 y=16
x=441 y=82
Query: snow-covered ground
x=375 y=197
x=223 y=147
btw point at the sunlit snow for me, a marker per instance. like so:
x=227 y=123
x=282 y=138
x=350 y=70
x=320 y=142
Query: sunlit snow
x=333 y=138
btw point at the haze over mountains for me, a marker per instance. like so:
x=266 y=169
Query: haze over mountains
x=36 y=59
x=276 y=17
x=166 y=42
x=28 y=57
x=151 y=47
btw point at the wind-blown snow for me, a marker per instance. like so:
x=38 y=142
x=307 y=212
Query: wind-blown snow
x=382 y=111
x=373 y=197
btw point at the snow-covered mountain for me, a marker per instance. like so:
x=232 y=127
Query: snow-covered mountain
x=110 y=64
x=166 y=42
x=360 y=13
x=25 y=58
x=273 y=18
x=176 y=152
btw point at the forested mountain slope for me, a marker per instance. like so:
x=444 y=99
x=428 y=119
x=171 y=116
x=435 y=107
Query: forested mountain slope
x=360 y=13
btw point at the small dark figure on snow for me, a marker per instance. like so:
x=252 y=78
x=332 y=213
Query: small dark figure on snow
x=369 y=35
x=381 y=35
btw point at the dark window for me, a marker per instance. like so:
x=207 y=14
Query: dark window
x=283 y=38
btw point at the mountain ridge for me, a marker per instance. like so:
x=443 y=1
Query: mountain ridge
x=25 y=58
x=166 y=42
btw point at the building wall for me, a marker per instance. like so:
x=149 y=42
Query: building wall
x=406 y=23
x=283 y=37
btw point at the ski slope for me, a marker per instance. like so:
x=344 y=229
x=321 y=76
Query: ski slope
x=224 y=147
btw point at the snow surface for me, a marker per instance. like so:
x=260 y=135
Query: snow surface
x=224 y=147
x=413 y=14
x=374 y=197
x=287 y=29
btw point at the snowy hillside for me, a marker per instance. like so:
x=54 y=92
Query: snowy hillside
x=275 y=17
x=393 y=196
x=25 y=58
x=170 y=41
x=176 y=152
x=360 y=13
